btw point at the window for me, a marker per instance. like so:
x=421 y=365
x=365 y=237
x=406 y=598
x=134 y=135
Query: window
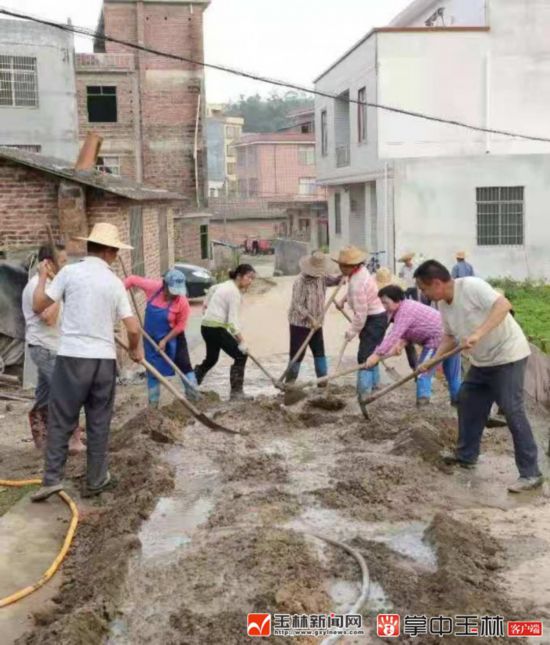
x=136 y=240
x=232 y=132
x=205 y=251
x=362 y=115
x=230 y=151
x=253 y=187
x=23 y=146
x=18 y=81
x=163 y=241
x=240 y=153
x=243 y=188
x=109 y=164
x=306 y=155
x=102 y=107
x=324 y=133
x=232 y=188
x=231 y=168
x=500 y=216
x=307 y=186
x=251 y=156
x=337 y=214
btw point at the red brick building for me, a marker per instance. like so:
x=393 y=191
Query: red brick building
x=36 y=190
x=150 y=109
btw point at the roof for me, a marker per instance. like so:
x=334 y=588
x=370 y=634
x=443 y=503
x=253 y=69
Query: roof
x=275 y=137
x=109 y=183
x=392 y=30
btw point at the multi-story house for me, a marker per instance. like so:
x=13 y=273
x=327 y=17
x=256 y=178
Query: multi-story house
x=221 y=132
x=150 y=109
x=37 y=89
x=276 y=181
x=398 y=182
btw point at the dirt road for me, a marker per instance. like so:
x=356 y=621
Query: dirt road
x=234 y=528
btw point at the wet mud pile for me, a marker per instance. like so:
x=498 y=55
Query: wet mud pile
x=106 y=537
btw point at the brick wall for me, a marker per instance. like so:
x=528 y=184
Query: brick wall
x=236 y=231
x=187 y=240
x=169 y=89
x=28 y=201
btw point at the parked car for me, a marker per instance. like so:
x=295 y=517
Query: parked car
x=198 y=279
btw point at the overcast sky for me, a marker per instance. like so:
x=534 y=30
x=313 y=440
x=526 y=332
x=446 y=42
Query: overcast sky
x=292 y=40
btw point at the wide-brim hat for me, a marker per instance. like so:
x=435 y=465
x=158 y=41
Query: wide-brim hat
x=384 y=277
x=461 y=255
x=350 y=256
x=107 y=235
x=315 y=265
x=406 y=257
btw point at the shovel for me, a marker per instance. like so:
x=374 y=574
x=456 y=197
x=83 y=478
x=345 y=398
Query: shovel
x=327 y=402
x=154 y=345
x=275 y=382
x=428 y=364
x=199 y=416
x=312 y=331
x=389 y=369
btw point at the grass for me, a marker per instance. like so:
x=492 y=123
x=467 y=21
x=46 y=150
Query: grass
x=10 y=496
x=531 y=302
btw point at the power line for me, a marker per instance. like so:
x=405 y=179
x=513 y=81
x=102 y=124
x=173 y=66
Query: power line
x=83 y=31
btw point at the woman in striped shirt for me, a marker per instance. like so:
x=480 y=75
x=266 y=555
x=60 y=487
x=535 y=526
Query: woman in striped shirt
x=369 y=317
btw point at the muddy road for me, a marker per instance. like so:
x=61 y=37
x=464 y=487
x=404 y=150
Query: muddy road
x=205 y=527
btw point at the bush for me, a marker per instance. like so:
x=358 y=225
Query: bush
x=531 y=302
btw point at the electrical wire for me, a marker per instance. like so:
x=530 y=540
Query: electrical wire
x=83 y=31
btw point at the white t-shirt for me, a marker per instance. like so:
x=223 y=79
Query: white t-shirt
x=472 y=302
x=223 y=303
x=36 y=331
x=94 y=300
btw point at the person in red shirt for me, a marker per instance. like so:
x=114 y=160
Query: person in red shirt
x=166 y=317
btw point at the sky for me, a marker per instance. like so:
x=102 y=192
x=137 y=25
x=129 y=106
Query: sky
x=292 y=40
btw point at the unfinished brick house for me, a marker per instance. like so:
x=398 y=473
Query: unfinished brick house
x=36 y=190
x=150 y=109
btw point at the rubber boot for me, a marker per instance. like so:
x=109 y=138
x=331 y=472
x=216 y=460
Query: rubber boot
x=236 y=380
x=292 y=373
x=75 y=442
x=376 y=378
x=199 y=374
x=321 y=368
x=191 y=392
x=364 y=389
x=38 y=430
x=153 y=393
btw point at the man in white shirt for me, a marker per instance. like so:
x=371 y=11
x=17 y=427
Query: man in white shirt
x=42 y=337
x=476 y=316
x=94 y=299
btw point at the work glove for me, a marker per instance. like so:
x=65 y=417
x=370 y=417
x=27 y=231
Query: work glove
x=243 y=348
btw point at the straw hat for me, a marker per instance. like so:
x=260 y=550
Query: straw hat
x=350 y=256
x=107 y=235
x=461 y=255
x=406 y=257
x=314 y=265
x=384 y=277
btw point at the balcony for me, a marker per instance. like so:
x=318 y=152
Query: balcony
x=342 y=156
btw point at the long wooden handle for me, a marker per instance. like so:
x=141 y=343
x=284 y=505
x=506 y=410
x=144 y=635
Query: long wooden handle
x=428 y=365
x=312 y=331
x=275 y=382
x=150 y=339
x=152 y=370
x=339 y=362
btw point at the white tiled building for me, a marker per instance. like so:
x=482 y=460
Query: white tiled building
x=400 y=183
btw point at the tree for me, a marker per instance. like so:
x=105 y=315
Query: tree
x=267 y=114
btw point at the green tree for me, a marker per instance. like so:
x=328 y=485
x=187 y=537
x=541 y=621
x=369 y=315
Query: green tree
x=267 y=114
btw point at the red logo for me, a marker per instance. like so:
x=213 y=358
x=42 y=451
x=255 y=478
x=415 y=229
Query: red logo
x=388 y=625
x=259 y=625
x=524 y=628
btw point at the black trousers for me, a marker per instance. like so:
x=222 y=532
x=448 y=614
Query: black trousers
x=371 y=335
x=297 y=337
x=218 y=339
x=182 y=360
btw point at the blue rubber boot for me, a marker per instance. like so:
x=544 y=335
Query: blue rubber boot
x=365 y=380
x=376 y=377
x=191 y=392
x=153 y=391
x=321 y=368
x=292 y=373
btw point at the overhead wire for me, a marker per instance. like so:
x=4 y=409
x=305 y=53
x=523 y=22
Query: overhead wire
x=83 y=31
